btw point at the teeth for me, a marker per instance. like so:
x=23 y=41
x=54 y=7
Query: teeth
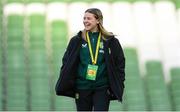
x=87 y=24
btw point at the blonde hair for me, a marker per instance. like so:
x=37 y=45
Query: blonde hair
x=98 y=15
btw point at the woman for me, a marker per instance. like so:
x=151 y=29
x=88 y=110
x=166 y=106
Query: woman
x=93 y=66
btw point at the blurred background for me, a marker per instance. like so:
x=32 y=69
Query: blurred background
x=35 y=33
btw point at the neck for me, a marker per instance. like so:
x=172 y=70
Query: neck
x=94 y=30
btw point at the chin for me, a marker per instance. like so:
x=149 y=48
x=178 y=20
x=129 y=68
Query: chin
x=87 y=29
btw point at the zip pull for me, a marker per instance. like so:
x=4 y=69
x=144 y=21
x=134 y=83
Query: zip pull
x=109 y=51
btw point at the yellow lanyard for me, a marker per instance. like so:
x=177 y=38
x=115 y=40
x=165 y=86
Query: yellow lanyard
x=94 y=60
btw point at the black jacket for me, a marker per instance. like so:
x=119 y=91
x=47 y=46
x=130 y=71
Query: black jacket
x=115 y=61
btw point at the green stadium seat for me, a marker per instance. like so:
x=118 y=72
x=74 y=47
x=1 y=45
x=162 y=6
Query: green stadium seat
x=16 y=81
x=40 y=92
x=135 y=99
x=16 y=92
x=16 y=89
x=175 y=87
x=59 y=31
x=156 y=87
x=13 y=97
x=116 y=106
x=59 y=45
x=58 y=48
x=41 y=84
x=16 y=61
x=16 y=105
x=16 y=74
x=15 y=28
x=37 y=55
x=40 y=96
x=40 y=105
x=38 y=65
x=59 y=40
x=64 y=104
x=15 y=45
x=37 y=28
x=37 y=48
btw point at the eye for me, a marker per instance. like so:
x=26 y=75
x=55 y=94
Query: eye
x=88 y=18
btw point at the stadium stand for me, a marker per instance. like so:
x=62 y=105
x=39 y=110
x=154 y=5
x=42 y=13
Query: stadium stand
x=16 y=79
x=157 y=91
x=39 y=72
x=134 y=90
x=175 y=88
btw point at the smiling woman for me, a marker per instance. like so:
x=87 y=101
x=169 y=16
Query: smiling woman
x=91 y=76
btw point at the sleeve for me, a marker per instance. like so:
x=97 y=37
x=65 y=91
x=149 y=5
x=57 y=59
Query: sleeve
x=119 y=59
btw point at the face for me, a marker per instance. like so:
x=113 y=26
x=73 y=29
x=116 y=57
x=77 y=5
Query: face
x=90 y=22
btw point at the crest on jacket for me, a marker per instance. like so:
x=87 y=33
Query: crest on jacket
x=84 y=45
x=101 y=47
